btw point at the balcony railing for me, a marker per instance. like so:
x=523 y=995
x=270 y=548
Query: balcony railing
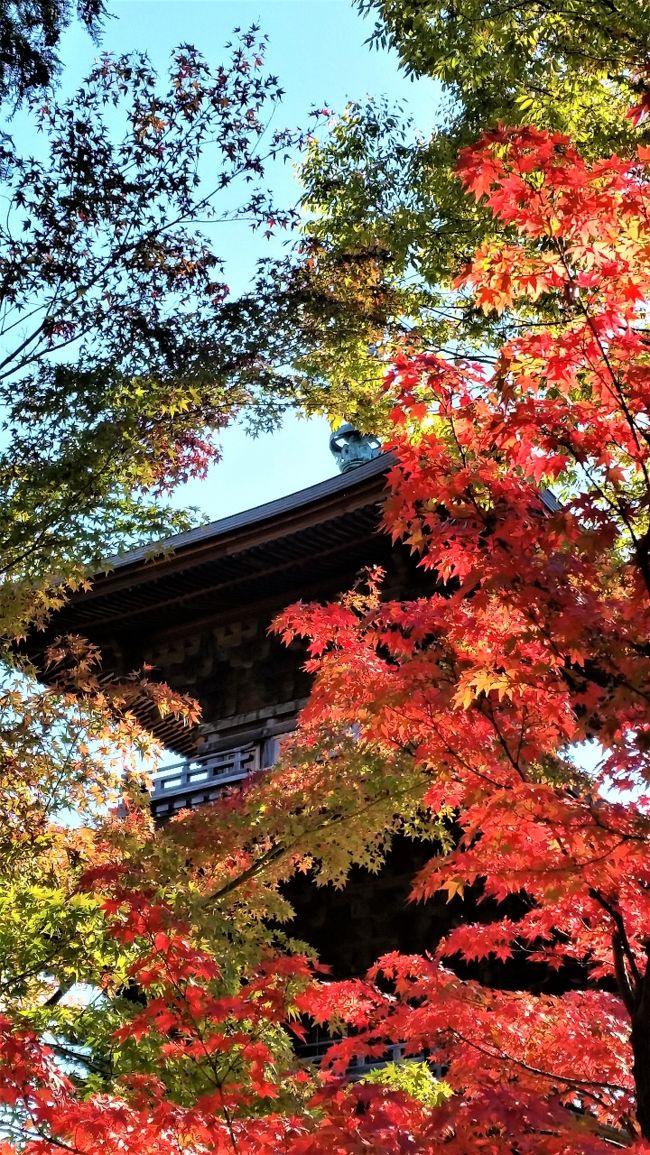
x=315 y=1052
x=202 y=779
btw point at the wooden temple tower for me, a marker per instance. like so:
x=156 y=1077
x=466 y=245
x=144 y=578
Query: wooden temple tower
x=197 y=614
x=198 y=611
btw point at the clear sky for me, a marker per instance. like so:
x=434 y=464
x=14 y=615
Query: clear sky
x=316 y=47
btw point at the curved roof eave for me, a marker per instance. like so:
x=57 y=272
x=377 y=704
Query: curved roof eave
x=249 y=519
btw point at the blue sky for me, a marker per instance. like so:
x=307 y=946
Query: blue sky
x=316 y=47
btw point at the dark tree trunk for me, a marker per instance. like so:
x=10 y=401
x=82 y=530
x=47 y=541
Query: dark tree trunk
x=640 y=1040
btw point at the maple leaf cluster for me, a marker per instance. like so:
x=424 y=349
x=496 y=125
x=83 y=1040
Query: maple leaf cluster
x=531 y=644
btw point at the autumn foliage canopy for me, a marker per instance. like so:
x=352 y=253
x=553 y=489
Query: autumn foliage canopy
x=523 y=487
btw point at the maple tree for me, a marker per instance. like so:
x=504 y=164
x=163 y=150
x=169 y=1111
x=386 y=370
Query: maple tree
x=534 y=640
x=150 y=988
x=123 y=351
x=30 y=32
x=386 y=228
x=460 y=718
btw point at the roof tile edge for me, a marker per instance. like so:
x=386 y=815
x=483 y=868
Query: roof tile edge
x=259 y=513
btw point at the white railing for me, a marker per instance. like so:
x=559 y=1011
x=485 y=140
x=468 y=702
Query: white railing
x=202 y=779
x=361 y=1064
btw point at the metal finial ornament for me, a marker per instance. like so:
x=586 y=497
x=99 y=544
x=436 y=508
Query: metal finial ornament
x=351 y=448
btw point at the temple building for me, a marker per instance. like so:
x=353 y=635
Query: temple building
x=196 y=610
x=197 y=614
